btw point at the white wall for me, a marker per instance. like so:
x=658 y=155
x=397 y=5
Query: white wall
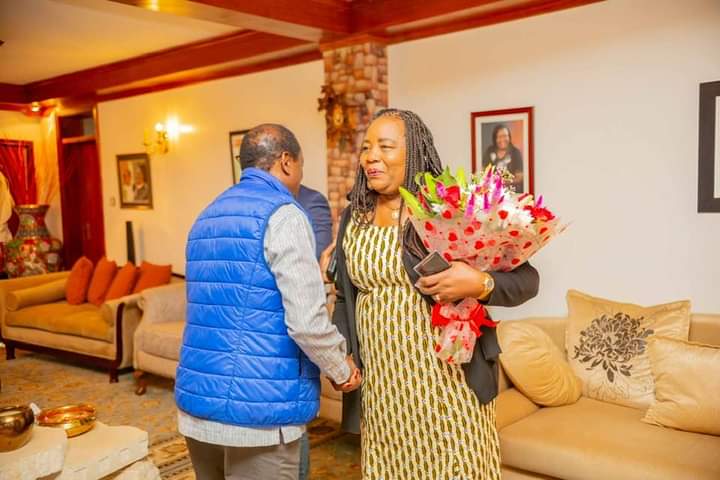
x=615 y=91
x=198 y=168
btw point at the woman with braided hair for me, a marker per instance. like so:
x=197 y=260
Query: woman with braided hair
x=419 y=417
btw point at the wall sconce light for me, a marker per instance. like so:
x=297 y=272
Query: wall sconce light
x=158 y=142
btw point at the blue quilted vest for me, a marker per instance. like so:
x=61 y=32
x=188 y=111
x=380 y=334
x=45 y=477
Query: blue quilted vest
x=238 y=365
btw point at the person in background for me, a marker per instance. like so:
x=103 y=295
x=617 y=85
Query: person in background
x=141 y=190
x=503 y=154
x=257 y=332
x=318 y=209
x=126 y=183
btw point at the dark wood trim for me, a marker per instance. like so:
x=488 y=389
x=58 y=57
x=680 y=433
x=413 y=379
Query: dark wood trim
x=11 y=93
x=18 y=143
x=198 y=77
x=16 y=107
x=377 y=15
x=529 y=111
x=81 y=139
x=111 y=365
x=205 y=53
x=353 y=40
x=311 y=20
x=490 y=18
x=707 y=202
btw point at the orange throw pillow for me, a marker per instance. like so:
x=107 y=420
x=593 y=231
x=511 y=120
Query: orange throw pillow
x=153 y=276
x=123 y=282
x=78 y=282
x=103 y=276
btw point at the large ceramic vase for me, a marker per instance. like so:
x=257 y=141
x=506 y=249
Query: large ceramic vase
x=33 y=251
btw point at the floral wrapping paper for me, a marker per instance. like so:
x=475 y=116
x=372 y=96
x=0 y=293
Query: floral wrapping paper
x=485 y=224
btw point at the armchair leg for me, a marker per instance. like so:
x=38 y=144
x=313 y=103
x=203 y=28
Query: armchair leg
x=140 y=382
x=114 y=375
x=9 y=351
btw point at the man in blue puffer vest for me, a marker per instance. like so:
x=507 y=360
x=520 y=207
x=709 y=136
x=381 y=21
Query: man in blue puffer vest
x=258 y=331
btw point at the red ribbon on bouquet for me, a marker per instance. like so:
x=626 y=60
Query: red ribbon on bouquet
x=476 y=319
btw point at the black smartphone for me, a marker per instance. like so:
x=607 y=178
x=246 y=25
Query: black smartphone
x=432 y=264
x=332 y=266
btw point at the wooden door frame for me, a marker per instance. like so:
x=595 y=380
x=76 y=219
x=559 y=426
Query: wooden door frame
x=61 y=165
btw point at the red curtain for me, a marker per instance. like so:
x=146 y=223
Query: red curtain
x=18 y=166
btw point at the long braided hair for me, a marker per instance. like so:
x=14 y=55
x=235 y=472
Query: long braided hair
x=421 y=156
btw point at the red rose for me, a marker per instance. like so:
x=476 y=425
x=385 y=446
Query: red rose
x=453 y=196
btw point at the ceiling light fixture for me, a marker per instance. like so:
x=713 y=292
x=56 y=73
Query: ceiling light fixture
x=35 y=107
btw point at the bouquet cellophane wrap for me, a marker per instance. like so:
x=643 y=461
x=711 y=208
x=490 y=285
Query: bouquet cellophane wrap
x=485 y=225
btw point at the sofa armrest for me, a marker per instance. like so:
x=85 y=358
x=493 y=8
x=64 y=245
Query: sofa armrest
x=512 y=406
x=10 y=285
x=110 y=308
x=19 y=283
x=163 y=304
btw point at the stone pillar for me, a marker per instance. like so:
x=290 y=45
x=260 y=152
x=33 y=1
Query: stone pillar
x=359 y=73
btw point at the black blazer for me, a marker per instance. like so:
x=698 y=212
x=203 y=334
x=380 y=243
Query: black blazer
x=511 y=289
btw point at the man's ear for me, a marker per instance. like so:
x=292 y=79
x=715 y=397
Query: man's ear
x=285 y=159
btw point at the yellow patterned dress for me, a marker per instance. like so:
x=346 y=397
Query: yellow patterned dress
x=420 y=419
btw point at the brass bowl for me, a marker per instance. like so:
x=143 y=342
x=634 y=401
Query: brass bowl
x=74 y=419
x=16 y=424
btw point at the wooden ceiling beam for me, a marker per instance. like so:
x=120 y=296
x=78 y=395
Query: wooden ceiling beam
x=500 y=15
x=376 y=15
x=11 y=93
x=227 y=48
x=310 y=20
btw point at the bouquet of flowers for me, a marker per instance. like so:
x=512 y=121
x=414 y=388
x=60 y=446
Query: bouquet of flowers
x=483 y=223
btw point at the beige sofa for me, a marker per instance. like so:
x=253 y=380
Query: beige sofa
x=159 y=336
x=99 y=336
x=593 y=440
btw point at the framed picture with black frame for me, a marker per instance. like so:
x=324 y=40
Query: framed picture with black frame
x=236 y=138
x=709 y=148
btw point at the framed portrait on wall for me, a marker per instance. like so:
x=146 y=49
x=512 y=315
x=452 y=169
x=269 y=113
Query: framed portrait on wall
x=236 y=138
x=504 y=138
x=134 y=181
x=709 y=148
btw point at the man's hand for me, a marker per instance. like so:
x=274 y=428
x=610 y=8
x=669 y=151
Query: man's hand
x=325 y=261
x=352 y=383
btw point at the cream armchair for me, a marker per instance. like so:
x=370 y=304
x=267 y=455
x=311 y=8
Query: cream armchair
x=44 y=322
x=159 y=336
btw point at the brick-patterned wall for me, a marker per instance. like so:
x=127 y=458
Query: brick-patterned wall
x=360 y=72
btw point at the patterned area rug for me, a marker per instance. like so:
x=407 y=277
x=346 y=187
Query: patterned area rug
x=50 y=382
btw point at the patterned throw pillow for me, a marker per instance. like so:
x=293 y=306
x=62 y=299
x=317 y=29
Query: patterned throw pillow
x=606 y=345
